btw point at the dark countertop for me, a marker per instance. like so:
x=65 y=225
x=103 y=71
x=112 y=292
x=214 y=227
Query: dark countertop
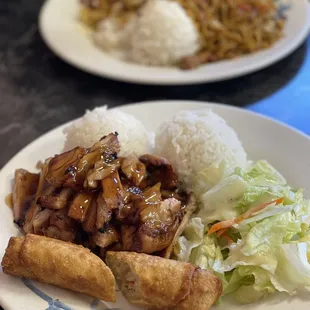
x=38 y=91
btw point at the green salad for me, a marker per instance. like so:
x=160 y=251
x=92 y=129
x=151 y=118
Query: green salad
x=252 y=230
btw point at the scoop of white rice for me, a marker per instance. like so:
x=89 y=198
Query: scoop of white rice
x=159 y=35
x=109 y=35
x=95 y=124
x=201 y=147
x=162 y=34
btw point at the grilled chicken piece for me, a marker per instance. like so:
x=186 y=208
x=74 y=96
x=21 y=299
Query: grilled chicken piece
x=128 y=214
x=25 y=187
x=61 y=165
x=102 y=170
x=133 y=169
x=159 y=225
x=107 y=163
x=35 y=208
x=104 y=213
x=151 y=196
x=89 y=223
x=108 y=236
x=31 y=213
x=149 y=241
x=55 y=198
x=128 y=194
x=160 y=170
x=70 y=169
x=132 y=191
x=68 y=236
x=77 y=173
x=41 y=221
x=52 y=232
x=190 y=208
x=113 y=192
x=66 y=225
x=79 y=206
x=155 y=216
x=129 y=189
x=108 y=146
x=127 y=235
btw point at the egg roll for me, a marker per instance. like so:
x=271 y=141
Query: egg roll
x=60 y=263
x=11 y=262
x=205 y=290
x=158 y=283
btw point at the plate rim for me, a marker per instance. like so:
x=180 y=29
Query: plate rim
x=181 y=80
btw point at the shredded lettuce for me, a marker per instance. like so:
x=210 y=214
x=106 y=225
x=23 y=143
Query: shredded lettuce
x=293 y=271
x=249 y=284
x=208 y=255
x=219 y=202
x=271 y=232
x=192 y=237
x=267 y=249
x=263 y=174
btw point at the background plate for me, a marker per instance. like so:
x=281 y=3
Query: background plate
x=62 y=32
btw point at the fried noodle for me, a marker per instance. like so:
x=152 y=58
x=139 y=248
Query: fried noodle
x=231 y=28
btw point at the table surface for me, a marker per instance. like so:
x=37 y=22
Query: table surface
x=39 y=91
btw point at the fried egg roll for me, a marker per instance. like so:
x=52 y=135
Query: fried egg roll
x=60 y=263
x=159 y=283
x=205 y=290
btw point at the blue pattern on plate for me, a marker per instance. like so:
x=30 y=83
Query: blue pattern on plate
x=56 y=304
x=283 y=8
x=53 y=304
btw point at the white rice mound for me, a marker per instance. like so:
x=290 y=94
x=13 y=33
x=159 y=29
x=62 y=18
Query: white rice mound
x=201 y=147
x=89 y=129
x=162 y=34
x=109 y=35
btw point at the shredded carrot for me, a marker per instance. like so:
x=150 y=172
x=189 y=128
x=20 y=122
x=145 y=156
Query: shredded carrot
x=221 y=231
x=229 y=223
x=222 y=225
x=250 y=212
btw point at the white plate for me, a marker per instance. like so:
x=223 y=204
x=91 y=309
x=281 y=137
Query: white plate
x=64 y=35
x=287 y=149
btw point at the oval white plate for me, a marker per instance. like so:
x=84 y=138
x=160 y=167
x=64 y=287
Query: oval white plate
x=287 y=149
x=64 y=35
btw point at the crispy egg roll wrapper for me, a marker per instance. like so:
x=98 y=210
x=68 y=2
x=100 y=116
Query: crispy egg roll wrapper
x=150 y=281
x=11 y=261
x=60 y=263
x=159 y=283
x=205 y=290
